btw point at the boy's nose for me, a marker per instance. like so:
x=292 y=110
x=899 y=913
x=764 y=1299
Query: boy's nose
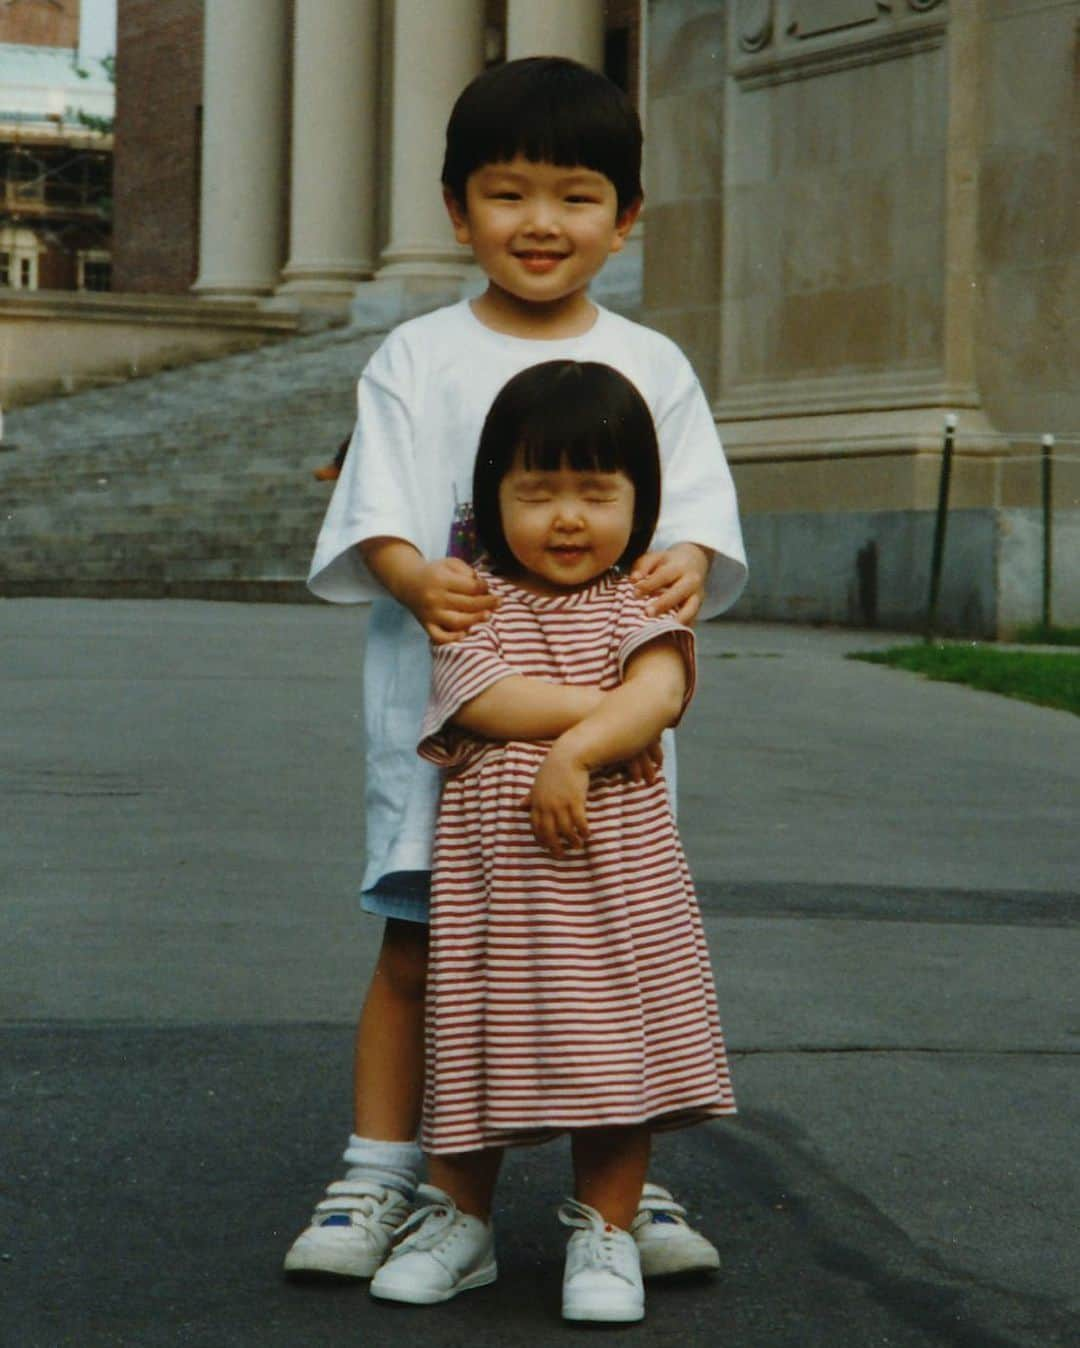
x=541 y=219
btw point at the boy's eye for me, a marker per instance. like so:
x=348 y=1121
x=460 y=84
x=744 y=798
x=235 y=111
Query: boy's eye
x=580 y=199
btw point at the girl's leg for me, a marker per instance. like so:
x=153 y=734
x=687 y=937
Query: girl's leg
x=448 y=1248
x=388 y=1065
x=602 y=1278
x=610 y=1165
x=468 y=1178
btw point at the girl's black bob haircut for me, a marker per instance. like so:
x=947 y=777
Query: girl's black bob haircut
x=552 y=111
x=580 y=414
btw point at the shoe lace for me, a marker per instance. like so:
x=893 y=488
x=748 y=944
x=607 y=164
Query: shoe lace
x=602 y=1248
x=425 y=1228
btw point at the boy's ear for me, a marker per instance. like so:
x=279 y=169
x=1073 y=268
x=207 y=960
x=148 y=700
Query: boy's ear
x=458 y=218
x=624 y=223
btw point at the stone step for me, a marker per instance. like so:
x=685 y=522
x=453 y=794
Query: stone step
x=193 y=482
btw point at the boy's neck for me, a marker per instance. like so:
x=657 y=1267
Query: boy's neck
x=569 y=316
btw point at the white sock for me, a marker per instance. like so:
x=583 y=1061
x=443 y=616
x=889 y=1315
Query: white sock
x=394 y=1165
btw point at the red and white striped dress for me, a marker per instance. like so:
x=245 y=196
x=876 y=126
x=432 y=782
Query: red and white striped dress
x=565 y=993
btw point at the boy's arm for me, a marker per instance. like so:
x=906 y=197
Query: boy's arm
x=698 y=507
x=627 y=721
x=446 y=596
x=673 y=581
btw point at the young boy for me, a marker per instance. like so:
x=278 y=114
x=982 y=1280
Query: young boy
x=542 y=181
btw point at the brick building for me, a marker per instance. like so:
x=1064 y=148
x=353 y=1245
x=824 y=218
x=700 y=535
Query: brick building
x=56 y=106
x=159 y=64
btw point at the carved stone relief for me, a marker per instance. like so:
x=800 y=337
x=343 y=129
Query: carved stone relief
x=812 y=18
x=755 y=24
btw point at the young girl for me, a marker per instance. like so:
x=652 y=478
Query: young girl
x=569 y=985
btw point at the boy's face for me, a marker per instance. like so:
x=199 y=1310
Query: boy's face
x=540 y=231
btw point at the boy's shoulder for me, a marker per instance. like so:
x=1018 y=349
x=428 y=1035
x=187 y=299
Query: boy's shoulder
x=404 y=352
x=656 y=348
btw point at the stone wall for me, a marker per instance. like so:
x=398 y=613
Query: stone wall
x=859 y=222
x=158 y=105
x=1028 y=332
x=52 y=342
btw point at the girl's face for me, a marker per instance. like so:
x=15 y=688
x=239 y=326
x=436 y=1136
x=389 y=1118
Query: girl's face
x=565 y=527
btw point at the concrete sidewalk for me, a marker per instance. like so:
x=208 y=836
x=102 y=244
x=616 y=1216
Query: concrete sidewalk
x=888 y=869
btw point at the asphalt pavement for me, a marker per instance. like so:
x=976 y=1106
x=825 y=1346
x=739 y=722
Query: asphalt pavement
x=888 y=870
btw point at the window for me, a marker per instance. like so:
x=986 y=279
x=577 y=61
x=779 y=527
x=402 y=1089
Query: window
x=97 y=275
x=26 y=273
x=5 y=269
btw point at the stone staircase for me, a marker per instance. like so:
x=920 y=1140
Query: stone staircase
x=191 y=483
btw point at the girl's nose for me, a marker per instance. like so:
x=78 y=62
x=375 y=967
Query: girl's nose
x=569 y=515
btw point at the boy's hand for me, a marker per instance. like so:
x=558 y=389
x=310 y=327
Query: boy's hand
x=556 y=802
x=673 y=581
x=643 y=767
x=447 y=597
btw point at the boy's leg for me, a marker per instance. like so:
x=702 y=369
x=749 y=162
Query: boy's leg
x=352 y=1226
x=447 y=1245
x=602 y=1278
x=388 y=1058
x=667 y=1243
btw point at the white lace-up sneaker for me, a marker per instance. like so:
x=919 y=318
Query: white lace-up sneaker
x=666 y=1242
x=350 y=1231
x=602 y=1279
x=438 y=1253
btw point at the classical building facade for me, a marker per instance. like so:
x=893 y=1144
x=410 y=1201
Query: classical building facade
x=860 y=221
x=291 y=148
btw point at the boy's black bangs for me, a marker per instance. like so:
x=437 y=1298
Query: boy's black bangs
x=558 y=134
x=550 y=110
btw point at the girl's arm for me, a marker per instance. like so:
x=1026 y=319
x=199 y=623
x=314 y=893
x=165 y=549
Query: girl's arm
x=628 y=720
x=520 y=708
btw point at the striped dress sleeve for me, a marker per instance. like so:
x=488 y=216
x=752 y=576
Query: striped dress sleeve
x=460 y=671
x=637 y=630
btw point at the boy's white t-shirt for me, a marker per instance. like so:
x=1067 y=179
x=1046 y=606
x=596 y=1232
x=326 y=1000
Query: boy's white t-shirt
x=422 y=400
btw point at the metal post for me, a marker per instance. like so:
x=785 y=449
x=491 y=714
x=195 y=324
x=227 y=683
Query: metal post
x=1048 y=530
x=939 y=525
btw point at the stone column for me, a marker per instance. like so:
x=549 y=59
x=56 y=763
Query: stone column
x=573 y=28
x=332 y=199
x=437 y=50
x=244 y=113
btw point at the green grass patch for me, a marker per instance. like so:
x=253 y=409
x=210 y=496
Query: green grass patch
x=1038 y=635
x=1050 y=680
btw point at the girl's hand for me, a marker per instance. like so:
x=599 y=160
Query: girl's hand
x=556 y=802
x=673 y=581
x=643 y=767
x=447 y=597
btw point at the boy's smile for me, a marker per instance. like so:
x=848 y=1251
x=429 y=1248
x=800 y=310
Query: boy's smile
x=540 y=232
